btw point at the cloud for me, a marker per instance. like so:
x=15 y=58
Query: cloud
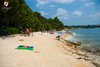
x=52 y=6
x=78 y=13
x=43 y=13
x=64 y=1
x=85 y=0
x=43 y=2
x=90 y=4
x=95 y=15
x=62 y=13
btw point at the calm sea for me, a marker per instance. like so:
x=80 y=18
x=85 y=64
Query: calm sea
x=90 y=38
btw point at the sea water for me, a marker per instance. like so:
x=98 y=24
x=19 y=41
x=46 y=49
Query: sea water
x=90 y=38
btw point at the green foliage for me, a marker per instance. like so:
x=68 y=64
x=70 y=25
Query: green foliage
x=20 y=16
x=48 y=27
x=8 y=31
x=12 y=30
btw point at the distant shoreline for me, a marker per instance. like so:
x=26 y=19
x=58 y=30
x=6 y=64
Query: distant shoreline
x=82 y=26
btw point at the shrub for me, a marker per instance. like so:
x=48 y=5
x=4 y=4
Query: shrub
x=8 y=31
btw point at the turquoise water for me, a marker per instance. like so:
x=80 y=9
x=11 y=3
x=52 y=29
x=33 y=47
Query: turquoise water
x=90 y=38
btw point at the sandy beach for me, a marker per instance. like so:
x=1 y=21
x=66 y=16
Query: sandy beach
x=48 y=52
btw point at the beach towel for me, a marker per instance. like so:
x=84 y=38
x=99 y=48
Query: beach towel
x=23 y=47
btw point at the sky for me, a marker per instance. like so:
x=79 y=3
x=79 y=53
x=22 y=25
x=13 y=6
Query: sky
x=70 y=12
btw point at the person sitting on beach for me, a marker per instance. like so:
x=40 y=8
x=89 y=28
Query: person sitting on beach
x=58 y=37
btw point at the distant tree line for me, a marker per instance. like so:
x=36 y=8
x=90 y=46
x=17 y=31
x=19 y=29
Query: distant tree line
x=20 y=17
x=83 y=26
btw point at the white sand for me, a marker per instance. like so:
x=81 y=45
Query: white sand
x=51 y=53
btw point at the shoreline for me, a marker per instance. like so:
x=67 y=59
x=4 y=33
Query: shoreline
x=80 y=43
x=85 y=54
x=51 y=52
